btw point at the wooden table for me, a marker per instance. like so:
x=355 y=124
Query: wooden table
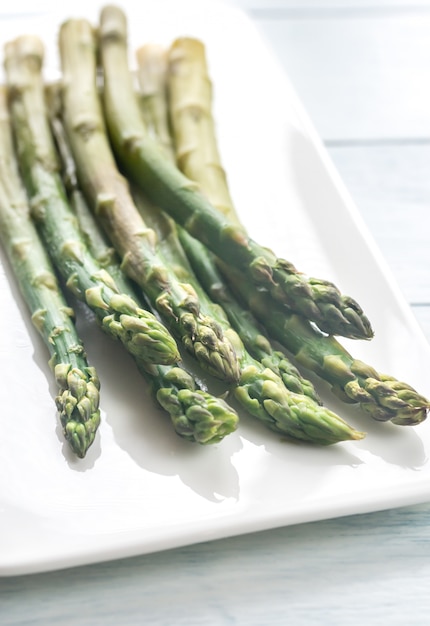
x=362 y=70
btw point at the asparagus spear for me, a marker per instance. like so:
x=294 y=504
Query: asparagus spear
x=78 y=386
x=95 y=239
x=120 y=316
x=108 y=195
x=152 y=73
x=196 y=415
x=381 y=396
x=167 y=187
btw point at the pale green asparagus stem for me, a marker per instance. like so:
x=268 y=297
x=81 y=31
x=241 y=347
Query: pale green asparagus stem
x=78 y=385
x=119 y=315
x=95 y=239
x=193 y=126
x=108 y=195
x=168 y=188
x=195 y=414
x=152 y=72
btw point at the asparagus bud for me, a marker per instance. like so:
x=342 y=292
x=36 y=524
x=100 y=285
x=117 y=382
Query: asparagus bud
x=196 y=415
x=77 y=402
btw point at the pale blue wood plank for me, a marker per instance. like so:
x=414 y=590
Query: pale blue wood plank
x=350 y=571
x=330 y=5
x=358 y=78
x=390 y=185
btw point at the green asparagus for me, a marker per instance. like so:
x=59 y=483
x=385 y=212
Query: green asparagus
x=259 y=390
x=108 y=195
x=196 y=415
x=166 y=186
x=120 y=316
x=152 y=73
x=78 y=386
x=382 y=397
x=279 y=403
x=253 y=336
x=95 y=239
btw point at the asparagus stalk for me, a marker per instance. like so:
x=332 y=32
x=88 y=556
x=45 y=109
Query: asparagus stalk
x=108 y=195
x=77 y=399
x=120 y=316
x=196 y=415
x=381 y=396
x=95 y=239
x=167 y=187
x=152 y=73
x=259 y=390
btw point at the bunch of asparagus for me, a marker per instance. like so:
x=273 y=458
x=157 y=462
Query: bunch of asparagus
x=144 y=167
x=382 y=396
x=195 y=414
x=255 y=386
x=192 y=123
x=86 y=264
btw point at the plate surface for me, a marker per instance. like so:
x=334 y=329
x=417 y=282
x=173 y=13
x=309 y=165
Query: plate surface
x=141 y=488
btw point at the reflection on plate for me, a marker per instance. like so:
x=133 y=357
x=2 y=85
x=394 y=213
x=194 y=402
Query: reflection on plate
x=141 y=488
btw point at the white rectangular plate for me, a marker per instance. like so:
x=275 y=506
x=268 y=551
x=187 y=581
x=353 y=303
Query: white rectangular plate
x=141 y=488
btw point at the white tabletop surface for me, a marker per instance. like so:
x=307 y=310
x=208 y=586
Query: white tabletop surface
x=362 y=71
